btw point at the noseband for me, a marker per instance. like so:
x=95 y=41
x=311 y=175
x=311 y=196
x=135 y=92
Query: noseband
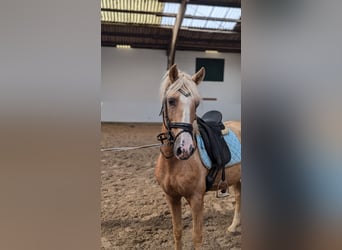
x=169 y=135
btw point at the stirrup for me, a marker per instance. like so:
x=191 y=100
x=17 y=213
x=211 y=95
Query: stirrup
x=220 y=193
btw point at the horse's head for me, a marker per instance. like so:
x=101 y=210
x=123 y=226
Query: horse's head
x=180 y=100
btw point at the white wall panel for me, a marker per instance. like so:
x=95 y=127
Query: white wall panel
x=228 y=92
x=131 y=80
x=130 y=84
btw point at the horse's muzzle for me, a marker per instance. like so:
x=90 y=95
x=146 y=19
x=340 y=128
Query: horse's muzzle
x=184 y=146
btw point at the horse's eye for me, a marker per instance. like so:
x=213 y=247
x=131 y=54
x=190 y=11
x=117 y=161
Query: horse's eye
x=172 y=101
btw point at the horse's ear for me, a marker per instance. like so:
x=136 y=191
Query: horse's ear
x=173 y=73
x=199 y=76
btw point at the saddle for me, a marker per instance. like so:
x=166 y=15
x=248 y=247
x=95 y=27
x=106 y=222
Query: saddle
x=210 y=126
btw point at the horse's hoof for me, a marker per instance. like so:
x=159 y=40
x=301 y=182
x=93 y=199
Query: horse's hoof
x=233 y=230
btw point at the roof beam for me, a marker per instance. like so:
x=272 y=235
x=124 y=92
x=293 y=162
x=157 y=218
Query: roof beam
x=106 y=26
x=157 y=13
x=157 y=37
x=135 y=35
x=207 y=18
x=135 y=45
x=208 y=46
x=220 y=50
x=191 y=47
x=217 y=31
x=176 y=27
x=222 y=3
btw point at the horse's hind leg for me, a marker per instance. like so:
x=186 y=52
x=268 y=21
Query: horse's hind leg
x=236 y=219
x=176 y=212
x=196 y=204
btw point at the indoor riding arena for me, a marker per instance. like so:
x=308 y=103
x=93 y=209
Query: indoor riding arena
x=141 y=40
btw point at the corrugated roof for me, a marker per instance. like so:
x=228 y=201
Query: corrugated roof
x=151 y=12
x=119 y=16
x=150 y=23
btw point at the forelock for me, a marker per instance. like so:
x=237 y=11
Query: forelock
x=184 y=82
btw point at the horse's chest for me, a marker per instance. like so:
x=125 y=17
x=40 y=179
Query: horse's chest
x=182 y=182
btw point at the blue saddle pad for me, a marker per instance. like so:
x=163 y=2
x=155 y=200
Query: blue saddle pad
x=234 y=146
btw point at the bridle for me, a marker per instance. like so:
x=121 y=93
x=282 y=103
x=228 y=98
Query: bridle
x=169 y=136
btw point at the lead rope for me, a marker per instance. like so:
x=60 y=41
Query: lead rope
x=130 y=148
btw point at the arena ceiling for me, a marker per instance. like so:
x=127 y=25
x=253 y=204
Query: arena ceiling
x=172 y=25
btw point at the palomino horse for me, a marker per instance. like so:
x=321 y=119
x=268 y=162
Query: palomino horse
x=179 y=170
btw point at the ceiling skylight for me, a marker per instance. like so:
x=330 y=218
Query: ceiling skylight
x=171 y=8
x=198 y=16
x=169 y=21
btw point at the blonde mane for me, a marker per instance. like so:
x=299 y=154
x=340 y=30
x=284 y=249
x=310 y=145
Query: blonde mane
x=183 y=82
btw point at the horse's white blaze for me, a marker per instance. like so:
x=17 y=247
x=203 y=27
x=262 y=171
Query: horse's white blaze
x=185 y=139
x=186 y=108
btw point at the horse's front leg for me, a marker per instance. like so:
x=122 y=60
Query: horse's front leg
x=176 y=212
x=196 y=204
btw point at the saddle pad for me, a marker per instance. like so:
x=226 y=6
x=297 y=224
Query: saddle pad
x=234 y=146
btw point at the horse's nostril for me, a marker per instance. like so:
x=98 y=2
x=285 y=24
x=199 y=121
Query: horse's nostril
x=179 y=151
